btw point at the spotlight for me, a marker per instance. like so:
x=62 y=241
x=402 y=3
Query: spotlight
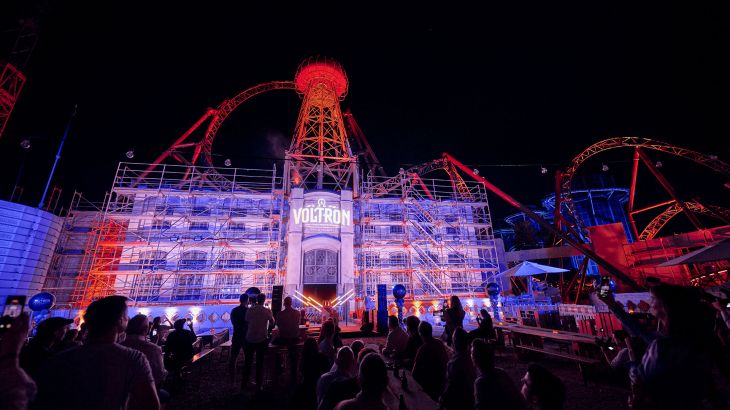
x=227 y=162
x=543 y=170
x=658 y=164
x=475 y=171
x=604 y=167
x=25 y=144
x=130 y=154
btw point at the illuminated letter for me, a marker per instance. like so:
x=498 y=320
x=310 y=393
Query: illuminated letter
x=328 y=215
x=319 y=216
x=305 y=215
x=337 y=216
x=346 y=218
x=297 y=214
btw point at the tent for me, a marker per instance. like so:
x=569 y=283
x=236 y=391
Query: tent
x=527 y=268
x=715 y=252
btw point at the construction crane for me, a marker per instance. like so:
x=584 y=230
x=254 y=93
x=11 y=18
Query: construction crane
x=12 y=77
x=362 y=145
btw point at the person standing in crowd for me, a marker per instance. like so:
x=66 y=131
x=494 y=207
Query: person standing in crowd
x=429 y=367
x=676 y=370
x=397 y=338
x=314 y=364
x=373 y=379
x=17 y=389
x=101 y=374
x=325 y=341
x=69 y=341
x=83 y=333
x=485 y=329
x=137 y=329
x=257 y=340
x=48 y=335
x=343 y=369
x=179 y=348
x=288 y=323
x=454 y=317
x=618 y=360
x=240 y=327
x=544 y=389
x=460 y=375
x=493 y=389
x=412 y=345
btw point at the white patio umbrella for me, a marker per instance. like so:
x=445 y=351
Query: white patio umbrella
x=527 y=268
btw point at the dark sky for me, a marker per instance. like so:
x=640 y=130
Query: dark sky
x=501 y=84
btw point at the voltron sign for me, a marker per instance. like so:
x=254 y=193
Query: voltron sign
x=322 y=214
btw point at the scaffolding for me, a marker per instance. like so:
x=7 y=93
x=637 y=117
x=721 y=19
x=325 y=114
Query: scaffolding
x=66 y=270
x=426 y=235
x=175 y=238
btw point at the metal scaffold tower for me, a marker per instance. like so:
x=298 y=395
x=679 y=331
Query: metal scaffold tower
x=165 y=241
x=320 y=156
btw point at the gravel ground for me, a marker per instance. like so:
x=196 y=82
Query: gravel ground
x=209 y=388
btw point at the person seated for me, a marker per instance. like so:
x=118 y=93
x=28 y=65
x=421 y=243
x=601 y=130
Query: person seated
x=460 y=375
x=137 y=329
x=356 y=346
x=407 y=356
x=326 y=340
x=485 y=330
x=397 y=338
x=373 y=379
x=343 y=369
x=494 y=388
x=158 y=332
x=429 y=366
x=69 y=341
x=179 y=348
x=41 y=347
x=542 y=388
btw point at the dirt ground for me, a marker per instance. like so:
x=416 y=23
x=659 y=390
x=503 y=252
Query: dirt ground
x=209 y=387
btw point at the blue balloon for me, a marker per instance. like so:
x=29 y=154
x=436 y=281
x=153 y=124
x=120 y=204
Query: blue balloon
x=41 y=301
x=493 y=289
x=399 y=291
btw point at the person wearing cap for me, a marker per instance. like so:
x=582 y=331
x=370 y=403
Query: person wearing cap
x=49 y=334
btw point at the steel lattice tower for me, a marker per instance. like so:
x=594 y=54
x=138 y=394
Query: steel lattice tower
x=320 y=156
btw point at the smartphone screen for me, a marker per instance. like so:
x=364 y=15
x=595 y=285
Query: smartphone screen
x=14 y=306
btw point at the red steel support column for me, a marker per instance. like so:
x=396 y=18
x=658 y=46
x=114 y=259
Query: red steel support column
x=615 y=271
x=670 y=189
x=632 y=192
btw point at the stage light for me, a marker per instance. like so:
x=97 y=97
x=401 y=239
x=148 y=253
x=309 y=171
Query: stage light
x=658 y=164
x=227 y=162
x=25 y=144
x=604 y=167
x=543 y=170
x=130 y=154
x=475 y=171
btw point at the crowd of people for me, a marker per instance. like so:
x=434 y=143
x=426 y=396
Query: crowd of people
x=114 y=361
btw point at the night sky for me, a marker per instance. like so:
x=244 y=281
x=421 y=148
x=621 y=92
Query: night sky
x=505 y=88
